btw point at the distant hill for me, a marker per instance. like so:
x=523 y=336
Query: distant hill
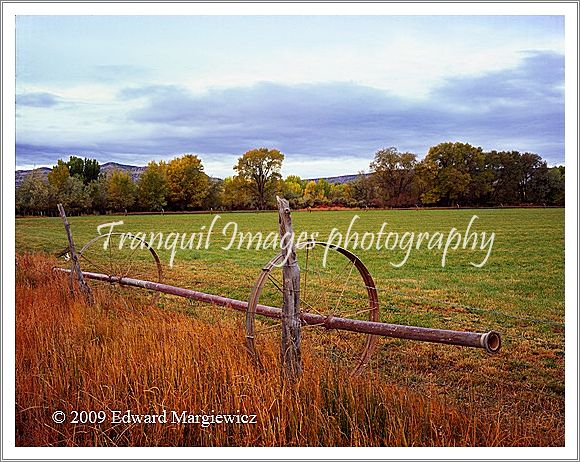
x=136 y=172
x=21 y=174
x=336 y=179
x=133 y=170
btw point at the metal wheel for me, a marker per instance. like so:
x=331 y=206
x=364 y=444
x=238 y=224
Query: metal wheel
x=125 y=256
x=333 y=282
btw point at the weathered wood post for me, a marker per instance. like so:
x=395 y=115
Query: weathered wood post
x=76 y=271
x=290 y=354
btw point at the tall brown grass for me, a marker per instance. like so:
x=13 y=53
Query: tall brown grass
x=72 y=356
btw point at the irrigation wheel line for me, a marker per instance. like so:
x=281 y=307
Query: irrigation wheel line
x=118 y=262
x=368 y=283
x=362 y=297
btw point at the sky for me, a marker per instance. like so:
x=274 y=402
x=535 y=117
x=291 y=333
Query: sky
x=327 y=91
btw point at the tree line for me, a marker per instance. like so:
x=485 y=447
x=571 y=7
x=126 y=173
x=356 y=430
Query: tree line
x=451 y=174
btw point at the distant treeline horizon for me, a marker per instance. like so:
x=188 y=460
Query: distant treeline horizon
x=452 y=174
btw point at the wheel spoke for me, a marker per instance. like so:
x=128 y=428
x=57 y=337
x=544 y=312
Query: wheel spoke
x=131 y=261
x=96 y=266
x=354 y=313
x=338 y=289
x=321 y=286
x=344 y=286
x=275 y=282
x=122 y=262
x=110 y=256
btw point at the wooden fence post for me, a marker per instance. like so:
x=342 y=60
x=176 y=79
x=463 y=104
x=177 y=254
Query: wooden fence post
x=290 y=354
x=76 y=267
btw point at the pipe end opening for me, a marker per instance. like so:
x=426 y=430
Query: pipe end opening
x=492 y=342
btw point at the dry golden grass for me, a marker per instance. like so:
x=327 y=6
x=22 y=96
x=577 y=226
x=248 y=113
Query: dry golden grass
x=109 y=356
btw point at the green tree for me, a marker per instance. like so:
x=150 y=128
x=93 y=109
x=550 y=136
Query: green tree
x=425 y=175
x=187 y=182
x=394 y=172
x=214 y=194
x=97 y=191
x=73 y=196
x=152 y=187
x=120 y=190
x=33 y=195
x=506 y=169
x=557 y=179
x=68 y=190
x=530 y=164
x=76 y=199
x=547 y=186
x=262 y=168
x=91 y=170
x=458 y=174
x=364 y=190
x=76 y=166
x=517 y=178
x=86 y=169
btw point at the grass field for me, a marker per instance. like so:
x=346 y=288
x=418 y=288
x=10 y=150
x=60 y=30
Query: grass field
x=514 y=398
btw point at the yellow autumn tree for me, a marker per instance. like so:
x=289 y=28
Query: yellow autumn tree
x=187 y=182
x=120 y=190
x=261 y=167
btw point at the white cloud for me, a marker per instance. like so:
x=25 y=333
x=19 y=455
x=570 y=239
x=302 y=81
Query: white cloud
x=336 y=86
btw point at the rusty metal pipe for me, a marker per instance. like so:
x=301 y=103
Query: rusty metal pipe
x=490 y=341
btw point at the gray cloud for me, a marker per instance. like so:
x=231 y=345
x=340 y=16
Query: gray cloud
x=539 y=79
x=37 y=99
x=520 y=108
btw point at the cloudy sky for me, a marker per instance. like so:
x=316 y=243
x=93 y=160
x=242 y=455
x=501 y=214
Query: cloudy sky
x=328 y=91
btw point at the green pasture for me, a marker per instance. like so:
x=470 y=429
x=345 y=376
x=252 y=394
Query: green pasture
x=518 y=292
x=520 y=288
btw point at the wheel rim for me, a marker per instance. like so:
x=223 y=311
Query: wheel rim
x=125 y=256
x=340 y=305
